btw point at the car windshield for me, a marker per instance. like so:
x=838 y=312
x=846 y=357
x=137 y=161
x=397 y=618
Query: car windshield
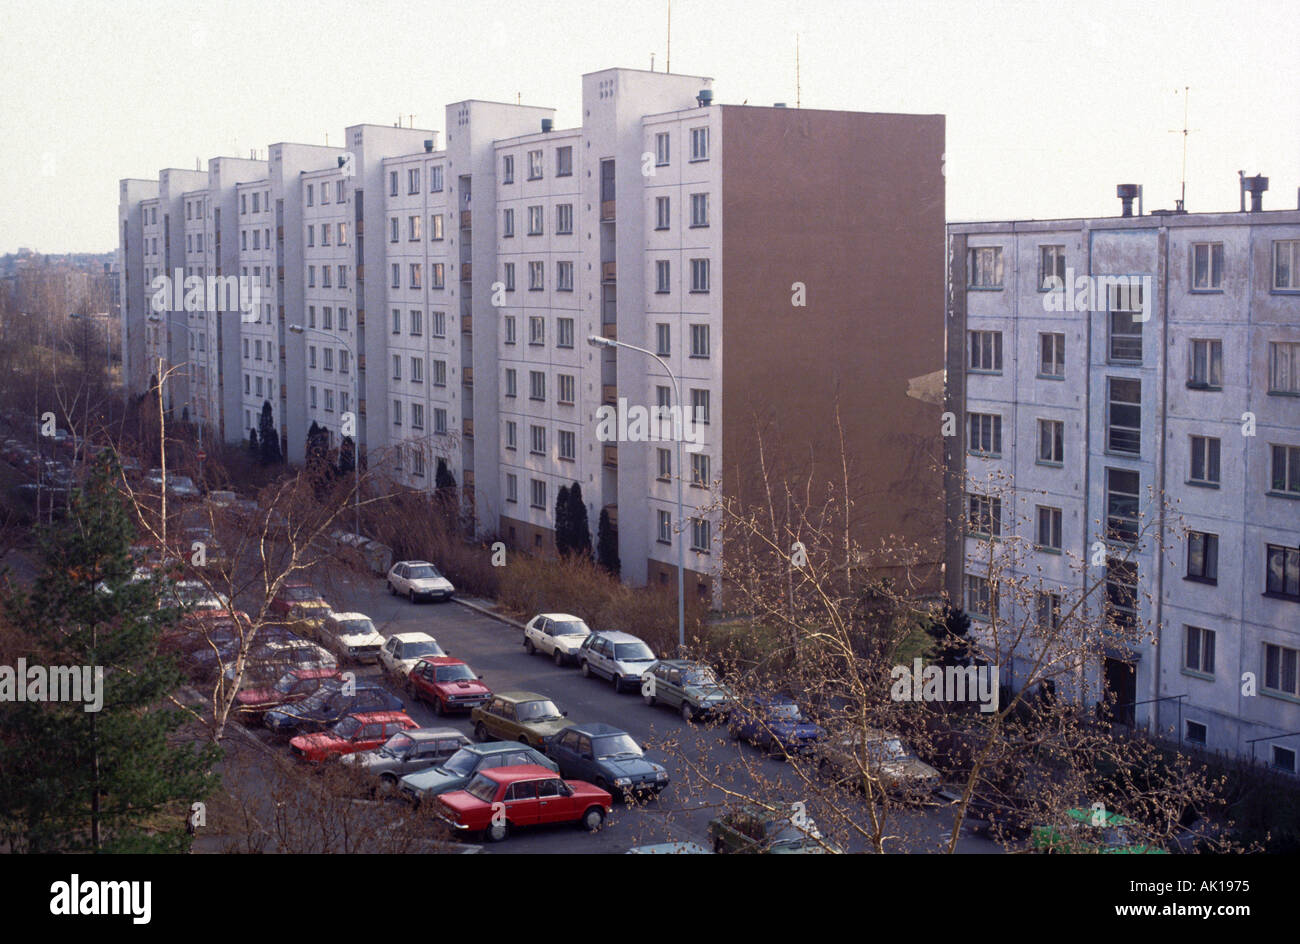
x=699 y=675
x=421 y=647
x=461 y=763
x=539 y=711
x=347 y=727
x=455 y=673
x=482 y=788
x=397 y=744
x=286 y=683
x=784 y=711
x=356 y=627
x=317 y=698
x=633 y=652
x=298 y=594
x=425 y=572
x=888 y=749
x=616 y=745
x=571 y=628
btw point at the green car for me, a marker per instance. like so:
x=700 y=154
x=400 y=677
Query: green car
x=526 y=717
x=755 y=830
x=1091 y=831
x=690 y=687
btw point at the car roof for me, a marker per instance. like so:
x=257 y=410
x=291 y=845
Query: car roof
x=561 y=616
x=519 y=772
x=313 y=673
x=349 y=616
x=296 y=583
x=617 y=635
x=412 y=637
x=442 y=660
x=516 y=697
x=413 y=562
x=433 y=734
x=595 y=729
x=496 y=747
x=371 y=717
x=683 y=663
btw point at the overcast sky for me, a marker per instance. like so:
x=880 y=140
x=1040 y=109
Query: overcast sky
x=1049 y=105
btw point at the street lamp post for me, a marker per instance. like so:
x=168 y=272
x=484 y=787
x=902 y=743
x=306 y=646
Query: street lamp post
x=207 y=373
x=596 y=340
x=356 y=403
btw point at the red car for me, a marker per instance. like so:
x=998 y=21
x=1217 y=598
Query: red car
x=293 y=686
x=294 y=593
x=499 y=800
x=363 y=732
x=447 y=684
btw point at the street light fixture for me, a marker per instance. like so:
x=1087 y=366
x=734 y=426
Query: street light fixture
x=356 y=402
x=596 y=340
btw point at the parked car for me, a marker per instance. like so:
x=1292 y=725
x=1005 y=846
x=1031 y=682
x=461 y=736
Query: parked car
x=332 y=702
x=403 y=651
x=408 y=752
x=775 y=723
x=351 y=635
x=270 y=658
x=670 y=848
x=447 y=684
x=608 y=757
x=298 y=602
x=529 y=796
x=885 y=755
x=1091 y=831
x=356 y=732
x=557 y=635
x=690 y=687
x=214 y=554
x=526 y=717
x=178 y=486
x=294 y=686
x=620 y=657
x=419 y=580
x=752 y=829
x=461 y=767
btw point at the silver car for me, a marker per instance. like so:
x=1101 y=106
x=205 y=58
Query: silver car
x=418 y=580
x=620 y=657
x=408 y=752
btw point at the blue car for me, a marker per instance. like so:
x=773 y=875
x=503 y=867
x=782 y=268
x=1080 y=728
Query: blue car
x=329 y=704
x=608 y=757
x=775 y=723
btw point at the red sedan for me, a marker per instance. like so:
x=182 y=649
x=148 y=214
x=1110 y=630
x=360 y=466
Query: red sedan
x=447 y=684
x=361 y=732
x=497 y=801
x=295 y=593
x=293 y=686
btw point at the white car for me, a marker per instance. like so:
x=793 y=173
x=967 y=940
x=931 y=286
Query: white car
x=620 y=657
x=352 y=635
x=557 y=635
x=419 y=580
x=178 y=486
x=403 y=651
x=272 y=656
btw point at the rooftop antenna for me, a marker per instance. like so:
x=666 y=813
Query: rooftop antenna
x=668 y=62
x=796 y=71
x=327 y=139
x=652 y=62
x=1182 y=202
x=412 y=117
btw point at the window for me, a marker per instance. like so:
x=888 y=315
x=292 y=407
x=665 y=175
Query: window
x=1122 y=500
x=1125 y=326
x=699 y=275
x=417 y=416
x=1284 y=366
x=511 y=390
x=311 y=236
x=1121 y=592
x=440 y=373
x=437 y=275
x=392 y=184
x=567 y=388
x=509 y=329
x=511 y=434
x=536 y=385
x=1198 y=649
x=662 y=213
x=986 y=351
x=507 y=168
x=413 y=227
x=661 y=149
x=536 y=276
x=665 y=465
x=438 y=324
x=417 y=323
x=1051 y=268
x=1124 y=422
x=397 y=321
x=700 y=534
x=417 y=273
x=699 y=340
x=507 y=223
x=537 y=435
x=343 y=276
x=396 y=275
x=665 y=528
x=343 y=236
x=1205 y=460
x=325 y=276
x=417 y=462
x=663 y=339
x=535 y=221
x=539 y=491
x=393 y=229
x=1283 y=758
x=985 y=267
x=1052 y=356
x=700 y=470
x=329 y=358
x=534 y=165
x=1207 y=266
x=508 y=272
x=699 y=144
x=564 y=332
x=984 y=434
x=1049 y=528
x=981 y=601
x=1196 y=732
x=512 y=487
x=984 y=515
x=413 y=180
x=1048 y=606
x=564 y=161
x=311 y=396
x=1280 y=669
x=699 y=209
x=663 y=278
x=397 y=412
x=700 y=406
x=397 y=367
x=564 y=276
x=435 y=227
x=564 y=219
x=536 y=329
x=1282 y=571
x=1206 y=368
x=567 y=443
x=435 y=178
x=338 y=191
x=1286 y=470
x=343 y=361
x=1286 y=265
x=1051 y=442
x=1202 y=556
x=417 y=370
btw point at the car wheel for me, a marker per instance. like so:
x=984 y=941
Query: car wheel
x=439 y=708
x=529 y=647
x=480 y=732
x=391 y=589
x=593 y=819
x=618 y=682
x=387 y=785
x=497 y=832
x=776 y=749
x=688 y=713
x=559 y=658
x=649 y=699
x=603 y=784
x=586 y=670
x=524 y=741
x=719 y=847
x=412 y=595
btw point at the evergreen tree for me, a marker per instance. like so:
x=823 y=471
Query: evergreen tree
x=253 y=446
x=607 y=543
x=347 y=455
x=951 y=634
x=562 y=521
x=269 y=437
x=579 y=539
x=97 y=780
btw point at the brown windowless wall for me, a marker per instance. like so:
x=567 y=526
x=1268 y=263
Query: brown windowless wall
x=852 y=206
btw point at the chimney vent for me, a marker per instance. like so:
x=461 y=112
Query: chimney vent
x=428 y=145
x=547 y=124
x=705 y=98
x=1127 y=193
x=1255 y=186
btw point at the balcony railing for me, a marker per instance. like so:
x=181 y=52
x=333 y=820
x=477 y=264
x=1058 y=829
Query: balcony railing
x=467 y=428
x=607 y=211
x=466 y=324
x=466 y=271
x=610 y=453
x=467 y=376
x=609 y=271
x=608 y=393
x=465 y=219
x=609 y=331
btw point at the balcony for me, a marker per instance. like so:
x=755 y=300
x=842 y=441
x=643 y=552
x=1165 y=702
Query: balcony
x=466 y=324
x=607 y=211
x=361 y=272
x=467 y=478
x=466 y=271
x=467 y=428
x=612 y=511
x=609 y=271
x=608 y=393
x=467 y=376
x=361 y=362
x=610 y=453
x=465 y=219
x=361 y=406
x=609 y=331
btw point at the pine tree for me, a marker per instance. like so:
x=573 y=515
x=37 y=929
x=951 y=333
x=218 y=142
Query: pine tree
x=579 y=539
x=77 y=780
x=269 y=437
x=562 y=521
x=607 y=543
x=253 y=446
x=951 y=634
x=347 y=456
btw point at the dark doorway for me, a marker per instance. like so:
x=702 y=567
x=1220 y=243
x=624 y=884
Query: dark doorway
x=1121 y=686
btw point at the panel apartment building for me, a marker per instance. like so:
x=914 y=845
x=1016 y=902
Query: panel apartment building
x=786 y=264
x=1161 y=453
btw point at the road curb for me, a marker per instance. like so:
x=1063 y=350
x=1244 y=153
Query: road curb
x=480 y=608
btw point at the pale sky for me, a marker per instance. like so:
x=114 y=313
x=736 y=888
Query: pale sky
x=1049 y=105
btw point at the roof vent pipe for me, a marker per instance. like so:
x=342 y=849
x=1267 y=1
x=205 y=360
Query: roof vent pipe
x=1127 y=193
x=547 y=124
x=705 y=98
x=428 y=145
x=1255 y=186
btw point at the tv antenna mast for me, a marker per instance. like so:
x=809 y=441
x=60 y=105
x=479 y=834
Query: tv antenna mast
x=1185 y=131
x=796 y=71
